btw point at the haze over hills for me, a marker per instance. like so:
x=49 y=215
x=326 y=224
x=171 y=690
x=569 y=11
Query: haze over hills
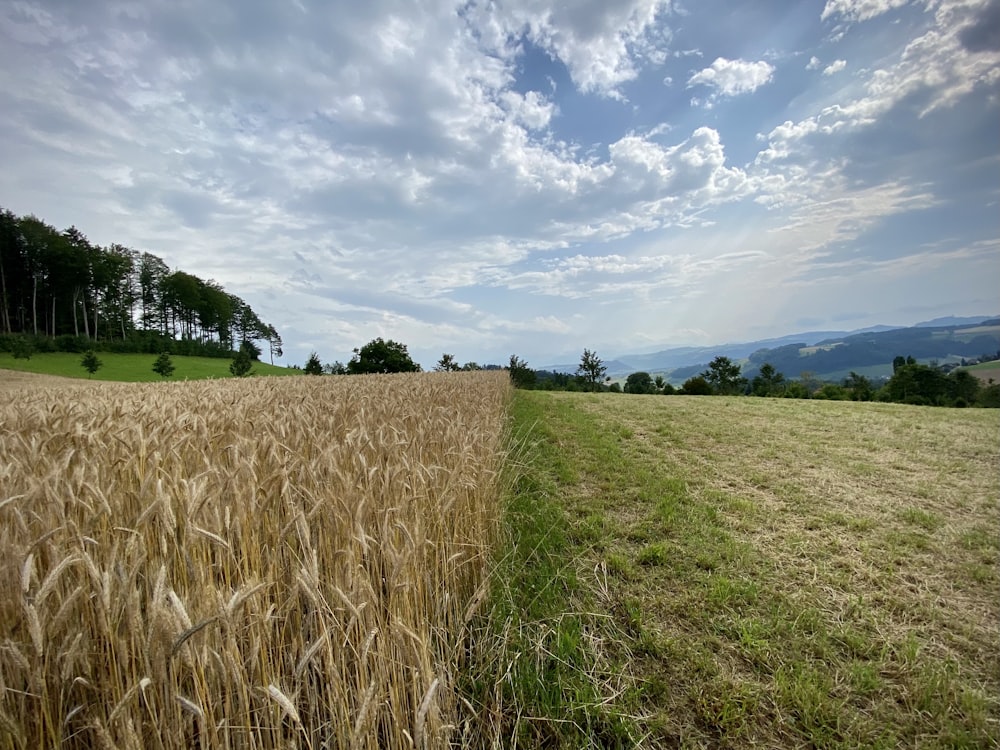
x=828 y=354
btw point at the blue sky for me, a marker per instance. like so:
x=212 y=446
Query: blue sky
x=517 y=176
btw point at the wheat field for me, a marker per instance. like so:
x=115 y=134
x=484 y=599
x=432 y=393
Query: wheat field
x=260 y=563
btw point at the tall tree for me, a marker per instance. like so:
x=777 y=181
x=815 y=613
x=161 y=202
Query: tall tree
x=769 y=382
x=152 y=272
x=274 y=342
x=723 y=375
x=591 y=369
x=76 y=268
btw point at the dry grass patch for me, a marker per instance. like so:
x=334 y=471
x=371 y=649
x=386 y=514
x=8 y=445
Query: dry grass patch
x=258 y=563
x=794 y=573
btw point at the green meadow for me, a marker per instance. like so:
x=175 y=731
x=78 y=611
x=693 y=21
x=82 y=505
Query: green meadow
x=131 y=368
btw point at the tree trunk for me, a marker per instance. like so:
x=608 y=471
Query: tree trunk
x=3 y=295
x=86 y=324
x=34 y=305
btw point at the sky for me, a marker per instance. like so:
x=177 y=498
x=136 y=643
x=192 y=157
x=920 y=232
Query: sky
x=491 y=177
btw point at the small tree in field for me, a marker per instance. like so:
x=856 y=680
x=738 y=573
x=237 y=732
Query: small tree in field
x=91 y=363
x=520 y=374
x=591 y=369
x=163 y=366
x=313 y=365
x=241 y=364
x=22 y=348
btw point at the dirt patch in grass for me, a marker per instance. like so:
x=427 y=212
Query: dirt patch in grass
x=792 y=573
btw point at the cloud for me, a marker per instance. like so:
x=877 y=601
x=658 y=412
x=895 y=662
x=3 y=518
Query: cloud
x=983 y=34
x=733 y=77
x=933 y=71
x=814 y=63
x=602 y=43
x=835 y=67
x=859 y=10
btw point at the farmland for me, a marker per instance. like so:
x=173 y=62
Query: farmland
x=249 y=563
x=428 y=561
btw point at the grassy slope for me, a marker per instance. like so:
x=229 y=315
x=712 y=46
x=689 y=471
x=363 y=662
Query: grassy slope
x=131 y=367
x=738 y=572
x=986 y=371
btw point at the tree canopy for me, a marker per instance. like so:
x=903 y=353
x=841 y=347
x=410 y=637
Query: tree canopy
x=723 y=375
x=591 y=369
x=381 y=356
x=56 y=283
x=640 y=382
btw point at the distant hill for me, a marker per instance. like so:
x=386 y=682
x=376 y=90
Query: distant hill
x=827 y=354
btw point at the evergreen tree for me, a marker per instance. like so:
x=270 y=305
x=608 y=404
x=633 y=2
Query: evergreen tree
x=313 y=365
x=241 y=364
x=163 y=366
x=91 y=363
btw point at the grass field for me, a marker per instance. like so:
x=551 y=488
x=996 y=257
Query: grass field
x=738 y=572
x=986 y=371
x=131 y=368
x=243 y=563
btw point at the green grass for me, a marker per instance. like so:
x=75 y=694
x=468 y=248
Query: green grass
x=719 y=572
x=133 y=368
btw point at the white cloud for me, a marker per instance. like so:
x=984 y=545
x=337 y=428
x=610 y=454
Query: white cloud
x=835 y=67
x=859 y=10
x=733 y=77
x=603 y=43
x=934 y=70
x=814 y=63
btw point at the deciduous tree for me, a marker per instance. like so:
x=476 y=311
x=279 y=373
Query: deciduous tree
x=381 y=356
x=520 y=374
x=591 y=369
x=639 y=382
x=91 y=363
x=724 y=376
x=447 y=363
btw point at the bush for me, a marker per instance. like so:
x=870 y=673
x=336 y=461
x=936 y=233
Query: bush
x=989 y=397
x=22 y=348
x=73 y=344
x=696 y=386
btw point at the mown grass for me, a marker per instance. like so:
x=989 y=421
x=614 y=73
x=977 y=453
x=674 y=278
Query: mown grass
x=737 y=572
x=131 y=368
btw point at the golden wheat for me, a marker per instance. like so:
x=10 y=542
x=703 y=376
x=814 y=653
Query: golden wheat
x=250 y=564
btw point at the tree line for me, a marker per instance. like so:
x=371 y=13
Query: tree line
x=68 y=294
x=911 y=383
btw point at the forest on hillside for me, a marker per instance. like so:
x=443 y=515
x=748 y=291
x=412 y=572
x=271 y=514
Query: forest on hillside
x=67 y=292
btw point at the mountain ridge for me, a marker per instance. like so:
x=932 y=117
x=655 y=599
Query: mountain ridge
x=873 y=352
